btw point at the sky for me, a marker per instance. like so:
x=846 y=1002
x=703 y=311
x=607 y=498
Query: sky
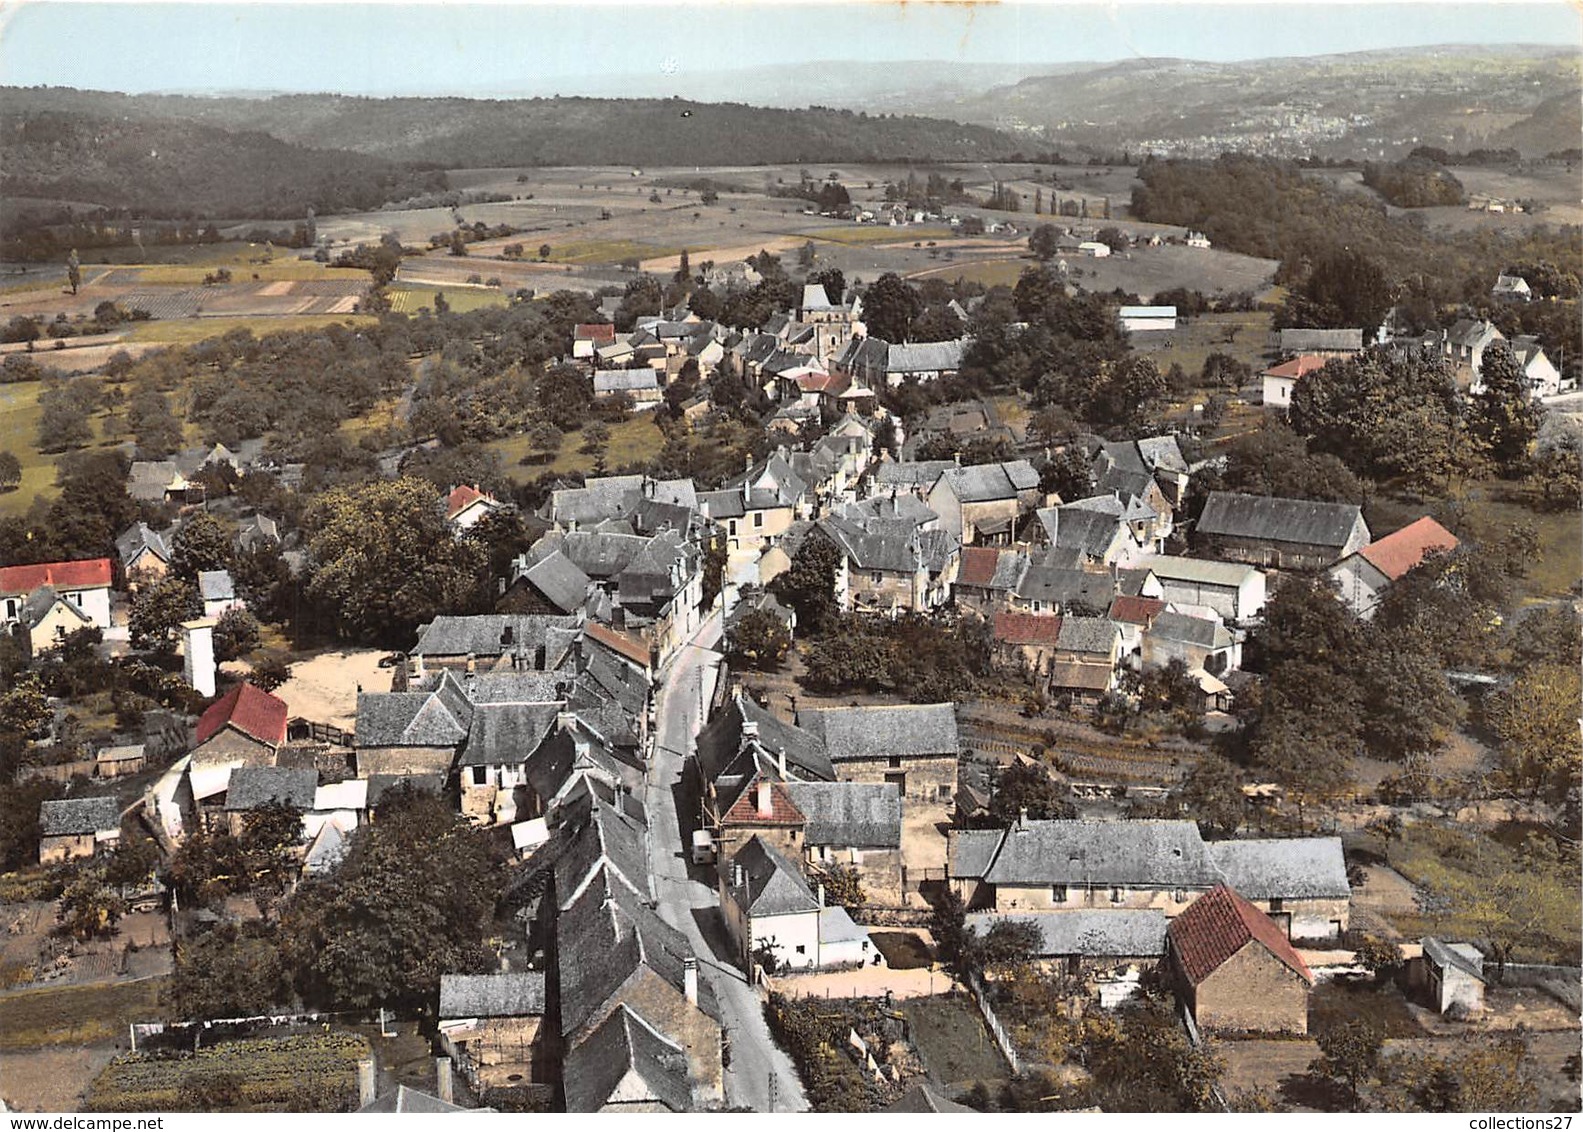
x=511 y=48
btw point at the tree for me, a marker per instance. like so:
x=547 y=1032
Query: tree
x=808 y=584
x=1128 y=396
x=1005 y=947
x=269 y=672
x=230 y=971
x=155 y=428
x=544 y=251
x=1044 y=242
x=1113 y=238
x=204 y=542
x=158 y=609
x=889 y=307
x=1021 y=790
x=458 y=243
x=10 y=471
x=63 y=418
x=235 y=634
x=566 y=395
x=759 y=640
x=1503 y=417
x=1343 y=288
x=414 y=899
x=89 y=909
x=1536 y=721
x=382 y=562
x=1349 y=1053
x=833 y=280
x=1211 y=794
x=1408 y=705
x=73 y=271
x=1380 y=957
x=269 y=834
x=24 y=708
x=843 y=885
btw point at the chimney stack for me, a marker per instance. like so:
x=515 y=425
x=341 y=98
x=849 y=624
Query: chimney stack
x=690 y=979
x=198 y=654
x=780 y=761
x=365 y=1082
x=1022 y=818
x=821 y=894
x=442 y=1080
x=736 y=876
x=750 y=729
x=765 y=805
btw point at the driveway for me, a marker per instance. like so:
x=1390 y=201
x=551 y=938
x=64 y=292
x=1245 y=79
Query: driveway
x=760 y=1076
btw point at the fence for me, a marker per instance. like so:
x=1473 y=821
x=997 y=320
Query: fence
x=997 y=1031
x=913 y=880
x=305 y=729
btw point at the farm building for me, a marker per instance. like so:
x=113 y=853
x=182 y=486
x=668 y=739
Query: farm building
x=77 y=827
x=1134 y=319
x=1094 y=249
x=1081 y=942
x=1451 y=976
x=1234 y=968
x=112 y=762
x=1233 y=590
x=1364 y=576
x=642 y=385
x=1280 y=380
x=489 y=1024
x=1325 y=343
x=914 y=746
x=1288 y=534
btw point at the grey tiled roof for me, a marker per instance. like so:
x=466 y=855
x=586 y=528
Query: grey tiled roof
x=771 y=885
x=1298 y=341
x=624 y=1047
x=216 y=585
x=254 y=786
x=138 y=536
x=926 y=357
x=1090 y=533
x=1094 y=635
x=414 y=719
x=1064 y=587
x=1234 y=515
x=1202 y=571
x=78 y=815
x=1199 y=631
x=626 y=380
x=510 y=995
x=1154 y=853
x=722 y=742
x=876 y=732
x=600 y=837
x=981 y=483
x=909 y=473
x=506 y=734
x=848 y=815
x=1290 y=868
x=1088 y=933
x=483 y=633
x=1445 y=955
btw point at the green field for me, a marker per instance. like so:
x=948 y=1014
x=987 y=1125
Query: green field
x=634 y=441
x=276 y=270
x=185 y=331
x=304 y=1072
x=77 y=1015
x=989 y=272
x=19 y=416
x=408 y=298
x=1243 y=335
x=951 y=1038
x=862 y=235
x=601 y=253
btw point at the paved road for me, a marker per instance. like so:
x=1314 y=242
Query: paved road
x=760 y=1077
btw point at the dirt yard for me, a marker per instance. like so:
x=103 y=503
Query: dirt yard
x=869 y=982
x=51 y=1080
x=323 y=688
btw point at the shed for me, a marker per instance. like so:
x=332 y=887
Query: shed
x=1452 y=976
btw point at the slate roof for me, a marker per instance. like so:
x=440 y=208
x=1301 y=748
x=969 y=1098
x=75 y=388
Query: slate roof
x=909 y=473
x=1027 y=628
x=1167 y=854
x=1272 y=519
x=436 y=718
x=603 y=836
x=483 y=633
x=255 y=530
x=925 y=357
x=1445 y=955
x=84 y=574
x=1201 y=631
x=1089 y=933
x=1093 y=635
x=150 y=479
x=516 y=994
x=877 y=732
x=138 y=537
x=771 y=885
x=1302 y=341
x=1090 y=533
x=864 y=815
x=216 y=585
x=506 y=734
x=1082 y=676
x=1063 y=587
x=721 y=742
x=39 y=604
x=1399 y=552
x=603 y=939
x=878 y=545
x=626 y=380
x=983 y=483
x=923 y=1096
x=1292 y=868
x=253 y=786
x=403 y=1099
x=1201 y=571
x=623 y=1047
x=1221 y=923
x=71 y=816
x=249 y=709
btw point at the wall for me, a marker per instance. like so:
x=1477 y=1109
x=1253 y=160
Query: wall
x=1222 y=599
x=669 y=1012
x=928 y=780
x=1041 y=898
x=69 y=847
x=1253 y=992
x=785 y=935
x=404 y=760
x=229 y=745
x=878 y=869
x=500 y=1047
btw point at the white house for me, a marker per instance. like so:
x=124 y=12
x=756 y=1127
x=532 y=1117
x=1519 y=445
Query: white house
x=1279 y=381
x=466 y=505
x=1232 y=589
x=768 y=907
x=1197 y=240
x=1147 y=318
x=1094 y=249
x=1511 y=287
x=85 y=584
x=218 y=592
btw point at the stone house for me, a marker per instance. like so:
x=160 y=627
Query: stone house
x=243 y=728
x=494 y=641
x=1363 y=576
x=768 y=906
x=987 y=578
x=489 y=1025
x=1326 y=344
x=1464 y=344
x=1203 y=644
x=1234 y=969
x=891 y=566
x=1233 y=590
x=74 y=828
x=1450 y=976
x=1288 y=534
x=626 y=1065
x=985 y=503
x=1085 y=658
x=757 y=509
x=144 y=554
x=1088 y=943
x=1077 y=535
x=914 y=747
x=252 y=787
x=46 y=619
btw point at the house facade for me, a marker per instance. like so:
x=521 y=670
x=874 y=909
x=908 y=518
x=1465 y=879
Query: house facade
x=1234 y=969
x=913 y=747
x=1288 y=534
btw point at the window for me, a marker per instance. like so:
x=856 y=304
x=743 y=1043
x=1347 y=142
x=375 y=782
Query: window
x=1058 y=894
x=801 y=950
x=480 y=775
x=876 y=577
x=895 y=762
x=758 y=518
x=1117 y=895
x=942 y=793
x=731 y=528
x=1180 y=896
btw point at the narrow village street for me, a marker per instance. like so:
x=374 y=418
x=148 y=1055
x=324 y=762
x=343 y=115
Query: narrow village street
x=759 y=1075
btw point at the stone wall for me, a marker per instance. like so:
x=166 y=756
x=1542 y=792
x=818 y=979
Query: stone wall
x=1252 y=992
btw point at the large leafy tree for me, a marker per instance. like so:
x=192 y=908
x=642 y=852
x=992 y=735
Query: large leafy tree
x=808 y=584
x=1342 y=288
x=1504 y=418
x=1350 y=1054
x=1537 y=721
x=758 y=640
x=159 y=608
x=382 y=562
x=413 y=900
x=202 y=543
x=229 y=971
x=889 y=306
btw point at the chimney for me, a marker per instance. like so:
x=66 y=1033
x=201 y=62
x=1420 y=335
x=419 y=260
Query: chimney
x=1022 y=818
x=736 y=876
x=365 y=1082
x=690 y=979
x=780 y=761
x=564 y=720
x=198 y=654
x=470 y=677
x=750 y=729
x=821 y=894
x=765 y=805
x=442 y=1080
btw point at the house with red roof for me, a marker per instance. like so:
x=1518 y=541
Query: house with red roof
x=988 y=578
x=590 y=336
x=1234 y=968
x=85 y=584
x=244 y=727
x=467 y=504
x=1279 y=381
x=1028 y=640
x=1363 y=576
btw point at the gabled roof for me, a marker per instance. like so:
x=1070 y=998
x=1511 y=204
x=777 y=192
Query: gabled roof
x=926 y=357
x=487 y=634
x=1302 y=340
x=723 y=741
x=71 y=816
x=254 y=786
x=517 y=994
x=745 y=810
x=1202 y=631
x=770 y=884
x=216 y=585
x=557 y=578
x=41 y=602
x=1066 y=586
x=1272 y=519
x=1221 y=923
x=1156 y=853
x=984 y=483
x=865 y=815
x=1444 y=955
x=923 y=1096
x=1202 y=571
x=595 y=331
x=876 y=732
x=626 y=1061
x=84 y=574
x=602 y=837
x=1399 y=552
x=626 y=380
x=619 y=643
x=463 y=497
x=1027 y=628
x=250 y=710
x=1135 y=610
x=1090 y=533
x=506 y=734
x=1297 y=367
x=140 y=537
x=909 y=473
x=1290 y=868
x=1107 y=933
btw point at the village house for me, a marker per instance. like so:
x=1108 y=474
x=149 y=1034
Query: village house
x=489 y=1025
x=1132 y=615
x=772 y=914
x=1511 y=288
x=1234 y=968
x=1234 y=591
x=1044 y=866
x=75 y=828
x=890 y=566
x=1544 y=379
x=1085 y=659
x=987 y=578
x=1288 y=534
x=1362 y=577
x=1026 y=641
x=590 y=337
x=144 y=554
x=905 y=477
x=1101 y=944
x=605 y=498
x=1464 y=345
x=642 y=386
x=257 y=531
x=922 y=362
x=218 y=593
x=491 y=641
x=252 y=787
x=985 y=503
x=46 y=619
x=626 y=1065
x=1157 y=456
x=1325 y=344
x=1203 y=644
x=84 y=583
x=915 y=747
x=243 y=728
x=467 y=505
x=160 y=481
x=758 y=507
x=1078 y=536
x=1279 y=380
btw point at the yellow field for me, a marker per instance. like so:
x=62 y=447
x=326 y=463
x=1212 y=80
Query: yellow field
x=409 y=299
x=861 y=235
x=185 y=331
x=989 y=272
x=277 y=270
x=601 y=252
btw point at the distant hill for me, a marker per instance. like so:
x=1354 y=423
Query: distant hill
x=1367 y=104
x=1549 y=128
